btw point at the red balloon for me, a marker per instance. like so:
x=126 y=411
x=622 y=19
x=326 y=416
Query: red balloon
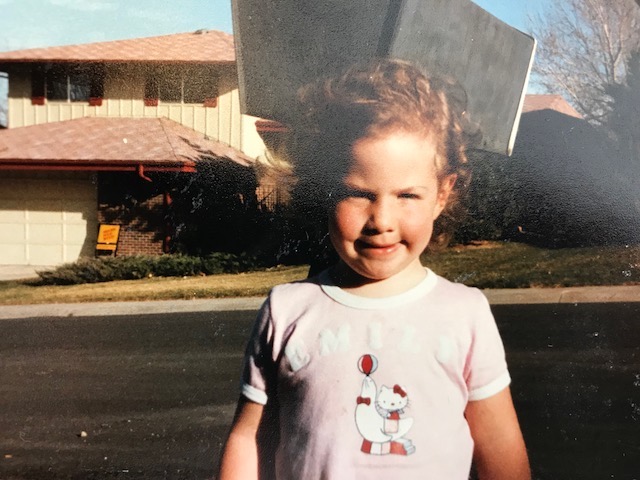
x=367 y=364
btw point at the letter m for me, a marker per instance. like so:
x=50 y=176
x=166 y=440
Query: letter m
x=331 y=343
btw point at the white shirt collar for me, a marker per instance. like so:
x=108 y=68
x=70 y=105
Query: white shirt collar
x=356 y=301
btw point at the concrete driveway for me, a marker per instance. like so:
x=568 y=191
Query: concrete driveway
x=20 y=272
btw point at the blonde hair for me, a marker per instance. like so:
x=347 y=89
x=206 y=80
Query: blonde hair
x=369 y=100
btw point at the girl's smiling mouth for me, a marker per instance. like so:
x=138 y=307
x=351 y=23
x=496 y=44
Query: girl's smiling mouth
x=377 y=249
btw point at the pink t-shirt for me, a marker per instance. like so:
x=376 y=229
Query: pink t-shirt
x=372 y=388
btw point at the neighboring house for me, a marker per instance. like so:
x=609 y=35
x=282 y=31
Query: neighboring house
x=574 y=182
x=85 y=118
x=556 y=103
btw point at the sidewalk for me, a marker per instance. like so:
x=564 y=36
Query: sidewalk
x=526 y=296
x=19 y=272
x=599 y=294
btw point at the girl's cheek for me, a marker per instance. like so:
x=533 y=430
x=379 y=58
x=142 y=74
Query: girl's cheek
x=337 y=219
x=418 y=215
x=346 y=213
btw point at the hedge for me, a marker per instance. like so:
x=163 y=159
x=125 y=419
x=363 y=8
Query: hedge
x=106 y=269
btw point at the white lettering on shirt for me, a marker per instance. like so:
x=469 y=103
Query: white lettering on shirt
x=375 y=335
x=331 y=343
x=408 y=343
x=445 y=349
x=297 y=355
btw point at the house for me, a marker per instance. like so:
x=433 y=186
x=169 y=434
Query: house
x=578 y=190
x=551 y=102
x=86 y=121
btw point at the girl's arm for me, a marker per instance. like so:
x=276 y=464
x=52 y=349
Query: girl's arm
x=240 y=456
x=499 y=453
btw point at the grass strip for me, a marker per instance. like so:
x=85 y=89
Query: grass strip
x=485 y=265
x=156 y=288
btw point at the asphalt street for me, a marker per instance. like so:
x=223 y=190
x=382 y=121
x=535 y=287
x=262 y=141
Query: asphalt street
x=151 y=396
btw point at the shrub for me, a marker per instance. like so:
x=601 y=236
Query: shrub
x=83 y=271
x=215 y=209
x=175 y=266
x=106 y=269
x=495 y=203
x=219 y=262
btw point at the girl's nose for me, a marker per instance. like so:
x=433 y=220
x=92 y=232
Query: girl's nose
x=381 y=217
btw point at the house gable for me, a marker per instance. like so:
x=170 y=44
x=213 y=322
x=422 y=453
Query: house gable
x=534 y=103
x=189 y=78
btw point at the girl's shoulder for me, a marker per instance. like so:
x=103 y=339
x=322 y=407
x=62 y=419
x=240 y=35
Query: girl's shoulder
x=306 y=285
x=294 y=296
x=464 y=295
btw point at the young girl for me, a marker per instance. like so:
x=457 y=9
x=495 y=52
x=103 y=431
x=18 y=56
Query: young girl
x=377 y=368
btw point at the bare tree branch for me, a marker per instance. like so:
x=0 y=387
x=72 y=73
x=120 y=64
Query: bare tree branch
x=583 y=47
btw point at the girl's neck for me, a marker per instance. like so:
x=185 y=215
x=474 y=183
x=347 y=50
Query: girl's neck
x=352 y=282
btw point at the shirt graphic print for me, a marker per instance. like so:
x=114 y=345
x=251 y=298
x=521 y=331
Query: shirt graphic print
x=380 y=414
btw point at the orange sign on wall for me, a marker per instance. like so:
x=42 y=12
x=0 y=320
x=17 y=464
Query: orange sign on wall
x=108 y=237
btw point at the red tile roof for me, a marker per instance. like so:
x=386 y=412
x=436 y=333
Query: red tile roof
x=114 y=143
x=534 y=103
x=202 y=46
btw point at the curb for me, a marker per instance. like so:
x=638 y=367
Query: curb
x=575 y=295
x=128 y=308
x=528 y=296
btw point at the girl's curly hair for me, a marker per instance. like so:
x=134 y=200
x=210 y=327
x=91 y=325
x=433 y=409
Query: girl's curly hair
x=368 y=100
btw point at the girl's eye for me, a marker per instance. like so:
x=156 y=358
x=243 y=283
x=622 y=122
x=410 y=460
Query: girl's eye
x=355 y=193
x=409 y=195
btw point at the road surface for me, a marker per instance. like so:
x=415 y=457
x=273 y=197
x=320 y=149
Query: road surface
x=151 y=396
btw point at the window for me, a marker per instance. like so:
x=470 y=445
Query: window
x=176 y=84
x=68 y=83
x=170 y=87
x=65 y=84
x=4 y=100
x=151 y=91
x=199 y=89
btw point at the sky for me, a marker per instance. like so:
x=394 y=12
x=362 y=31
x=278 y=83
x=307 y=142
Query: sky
x=42 y=23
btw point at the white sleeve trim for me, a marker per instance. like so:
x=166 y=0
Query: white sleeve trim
x=253 y=394
x=491 y=389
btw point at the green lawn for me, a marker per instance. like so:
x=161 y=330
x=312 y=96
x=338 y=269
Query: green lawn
x=488 y=265
x=515 y=265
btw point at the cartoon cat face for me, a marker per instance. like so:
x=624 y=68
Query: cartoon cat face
x=392 y=399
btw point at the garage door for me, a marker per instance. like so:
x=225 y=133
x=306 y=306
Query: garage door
x=46 y=218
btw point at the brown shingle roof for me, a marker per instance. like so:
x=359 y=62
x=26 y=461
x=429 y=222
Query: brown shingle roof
x=202 y=46
x=156 y=143
x=534 y=103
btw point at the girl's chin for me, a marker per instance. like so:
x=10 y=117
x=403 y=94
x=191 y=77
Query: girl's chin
x=357 y=275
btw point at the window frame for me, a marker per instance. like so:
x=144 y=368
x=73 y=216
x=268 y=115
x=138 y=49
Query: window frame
x=42 y=78
x=158 y=79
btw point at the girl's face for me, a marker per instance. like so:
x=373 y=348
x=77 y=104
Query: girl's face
x=383 y=216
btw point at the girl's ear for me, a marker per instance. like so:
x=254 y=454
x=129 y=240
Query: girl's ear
x=444 y=190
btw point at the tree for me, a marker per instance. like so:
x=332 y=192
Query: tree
x=624 y=119
x=215 y=209
x=583 y=46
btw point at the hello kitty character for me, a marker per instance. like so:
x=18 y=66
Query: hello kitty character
x=378 y=414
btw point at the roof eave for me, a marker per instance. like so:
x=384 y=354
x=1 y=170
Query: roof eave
x=94 y=166
x=114 y=61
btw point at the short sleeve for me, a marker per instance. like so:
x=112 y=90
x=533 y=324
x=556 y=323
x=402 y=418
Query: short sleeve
x=486 y=370
x=258 y=360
